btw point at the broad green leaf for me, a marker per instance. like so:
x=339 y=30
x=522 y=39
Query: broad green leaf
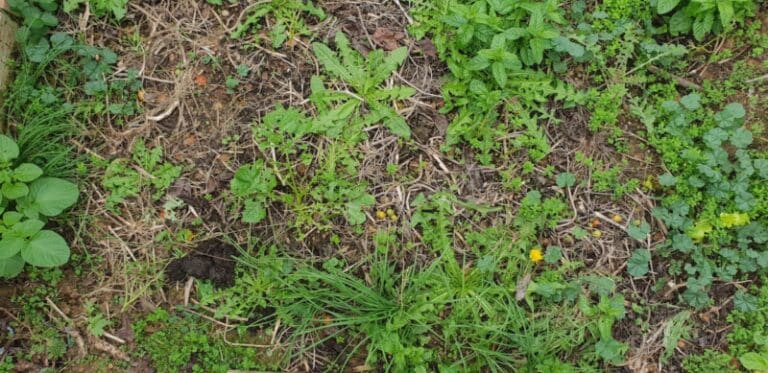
x=754 y=361
x=14 y=190
x=666 y=6
x=27 y=172
x=12 y=218
x=10 y=246
x=637 y=266
x=27 y=228
x=8 y=149
x=51 y=196
x=11 y=267
x=46 y=249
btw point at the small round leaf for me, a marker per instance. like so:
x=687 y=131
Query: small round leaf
x=46 y=249
x=11 y=267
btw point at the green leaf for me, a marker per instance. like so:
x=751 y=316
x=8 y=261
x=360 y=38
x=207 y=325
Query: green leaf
x=46 y=249
x=253 y=179
x=637 y=266
x=397 y=125
x=691 y=101
x=702 y=26
x=499 y=74
x=11 y=267
x=610 y=349
x=754 y=361
x=741 y=138
x=666 y=6
x=51 y=196
x=639 y=231
x=728 y=220
x=37 y=52
x=680 y=23
x=254 y=211
x=725 y=7
x=563 y=44
x=745 y=302
x=10 y=246
x=332 y=63
x=14 y=190
x=478 y=63
x=566 y=180
x=553 y=254
x=27 y=172
x=27 y=228
x=667 y=180
x=355 y=214
x=8 y=149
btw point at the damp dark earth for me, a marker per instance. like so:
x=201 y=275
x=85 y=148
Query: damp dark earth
x=383 y=186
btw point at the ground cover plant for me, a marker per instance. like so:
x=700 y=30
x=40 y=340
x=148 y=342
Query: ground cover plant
x=397 y=186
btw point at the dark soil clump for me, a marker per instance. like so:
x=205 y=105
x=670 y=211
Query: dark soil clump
x=212 y=260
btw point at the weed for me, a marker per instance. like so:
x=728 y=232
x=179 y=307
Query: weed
x=702 y=17
x=28 y=200
x=287 y=16
x=125 y=179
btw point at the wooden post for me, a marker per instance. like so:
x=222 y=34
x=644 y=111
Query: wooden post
x=7 y=38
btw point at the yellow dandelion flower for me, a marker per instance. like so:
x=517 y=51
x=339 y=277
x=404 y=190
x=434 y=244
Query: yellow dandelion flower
x=536 y=255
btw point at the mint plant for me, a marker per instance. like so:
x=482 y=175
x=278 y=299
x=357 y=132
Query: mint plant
x=27 y=200
x=703 y=17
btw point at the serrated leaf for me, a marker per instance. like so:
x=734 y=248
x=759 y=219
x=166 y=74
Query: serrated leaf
x=691 y=101
x=639 y=232
x=666 y=179
x=566 y=180
x=666 y=6
x=741 y=138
